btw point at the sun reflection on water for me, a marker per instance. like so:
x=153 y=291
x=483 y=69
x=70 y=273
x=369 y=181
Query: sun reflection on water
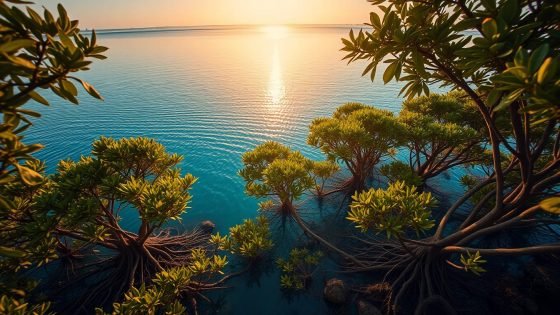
x=276 y=87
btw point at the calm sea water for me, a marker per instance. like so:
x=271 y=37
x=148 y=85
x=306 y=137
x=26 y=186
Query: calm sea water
x=212 y=95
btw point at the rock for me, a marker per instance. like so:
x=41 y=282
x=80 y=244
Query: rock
x=207 y=226
x=378 y=292
x=366 y=308
x=335 y=291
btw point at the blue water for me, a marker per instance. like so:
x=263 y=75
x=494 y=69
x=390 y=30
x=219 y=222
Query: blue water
x=212 y=95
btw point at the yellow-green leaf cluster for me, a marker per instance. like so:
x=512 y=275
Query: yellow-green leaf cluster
x=393 y=210
x=358 y=136
x=251 y=239
x=473 y=263
x=298 y=268
x=13 y=306
x=169 y=286
x=272 y=169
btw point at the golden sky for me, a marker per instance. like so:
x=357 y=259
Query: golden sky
x=147 y=13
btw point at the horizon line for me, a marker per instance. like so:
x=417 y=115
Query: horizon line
x=218 y=26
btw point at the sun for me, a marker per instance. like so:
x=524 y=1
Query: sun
x=275 y=31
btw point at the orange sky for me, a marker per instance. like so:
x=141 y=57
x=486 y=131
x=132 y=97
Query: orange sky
x=146 y=13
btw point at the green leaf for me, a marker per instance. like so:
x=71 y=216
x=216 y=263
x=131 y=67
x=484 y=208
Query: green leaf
x=373 y=73
x=489 y=27
x=510 y=11
x=16 y=45
x=390 y=71
x=28 y=112
x=374 y=19
x=93 y=38
x=67 y=42
x=61 y=11
x=551 y=205
x=368 y=69
x=490 y=5
x=99 y=49
x=38 y=98
x=69 y=87
x=510 y=98
x=419 y=62
x=35 y=16
x=11 y=252
x=520 y=57
x=20 y=61
x=98 y=56
x=537 y=57
x=91 y=90
x=546 y=70
x=29 y=176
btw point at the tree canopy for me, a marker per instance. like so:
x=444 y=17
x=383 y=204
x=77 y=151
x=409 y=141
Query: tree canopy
x=81 y=207
x=442 y=132
x=272 y=169
x=358 y=136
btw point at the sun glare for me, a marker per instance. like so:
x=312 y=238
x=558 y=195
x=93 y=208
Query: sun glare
x=276 y=88
x=275 y=31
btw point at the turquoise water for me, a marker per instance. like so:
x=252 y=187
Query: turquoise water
x=212 y=95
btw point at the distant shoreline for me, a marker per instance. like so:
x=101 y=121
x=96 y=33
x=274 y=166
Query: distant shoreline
x=211 y=28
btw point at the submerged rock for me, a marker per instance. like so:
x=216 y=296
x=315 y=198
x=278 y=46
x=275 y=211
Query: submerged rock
x=207 y=226
x=366 y=308
x=335 y=291
x=378 y=292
